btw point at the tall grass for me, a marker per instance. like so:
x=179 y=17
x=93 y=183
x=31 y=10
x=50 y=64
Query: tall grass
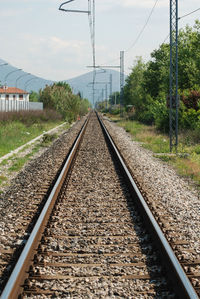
x=17 y=128
x=30 y=117
x=186 y=162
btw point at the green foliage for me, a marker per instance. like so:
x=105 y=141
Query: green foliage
x=191 y=99
x=133 y=89
x=156 y=75
x=16 y=128
x=189 y=57
x=114 y=98
x=59 y=97
x=48 y=138
x=190 y=119
x=147 y=86
x=33 y=96
x=29 y=118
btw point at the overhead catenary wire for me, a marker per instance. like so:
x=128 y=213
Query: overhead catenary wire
x=91 y=19
x=179 y=18
x=188 y=14
x=143 y=28
x=140 y=33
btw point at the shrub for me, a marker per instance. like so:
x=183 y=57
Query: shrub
x=29 y=117
x=191 y=99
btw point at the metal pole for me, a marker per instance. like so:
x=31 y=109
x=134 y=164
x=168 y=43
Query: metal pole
x=177 y=97
x=106 y=91
x=93 y=47
x=110 y=85
x=121 y=80
x=173 y=85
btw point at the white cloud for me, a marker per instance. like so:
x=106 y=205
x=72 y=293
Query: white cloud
x=54 y=58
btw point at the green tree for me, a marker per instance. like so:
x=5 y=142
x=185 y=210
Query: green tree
x=59 y=97
x=34 y=96
x=156 y=75
x=133 y=89
x=114 y=98
x=189 y=57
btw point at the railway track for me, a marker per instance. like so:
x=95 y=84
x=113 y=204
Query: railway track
x=96 y=237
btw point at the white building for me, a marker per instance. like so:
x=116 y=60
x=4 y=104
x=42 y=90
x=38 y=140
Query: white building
x=13 y=93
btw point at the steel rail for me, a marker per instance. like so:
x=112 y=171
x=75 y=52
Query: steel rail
x=183 y=284
x=20 y=272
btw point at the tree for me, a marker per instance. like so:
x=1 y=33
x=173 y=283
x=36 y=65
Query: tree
x=114 y=98
x=34 y=96
x=133 y=89
x=59 y=97
x=189 y=57
x=156 y=75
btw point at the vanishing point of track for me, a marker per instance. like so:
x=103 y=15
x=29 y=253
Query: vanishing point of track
x=96 y=237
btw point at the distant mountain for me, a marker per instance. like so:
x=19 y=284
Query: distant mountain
x=83 y=84
x=14 y=77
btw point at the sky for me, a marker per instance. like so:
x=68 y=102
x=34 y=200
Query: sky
x=38 y=38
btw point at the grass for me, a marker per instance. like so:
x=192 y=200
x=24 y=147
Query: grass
x=148 y=135
x=14 y=132
x=186 y=162
x=2 y=179
x=48 y=139
x=18 y=162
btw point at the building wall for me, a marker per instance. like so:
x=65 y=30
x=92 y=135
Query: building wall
x=14 y=97
x=18 y=105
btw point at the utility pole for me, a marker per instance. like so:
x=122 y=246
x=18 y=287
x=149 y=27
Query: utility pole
x=106 y=93
x=121 y=80
x=110 y=85
x=121 y=67
x=91 y=16
x=173 y=89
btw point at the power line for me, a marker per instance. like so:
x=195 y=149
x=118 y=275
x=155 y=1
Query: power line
x=142 y=30
x=181 y=18
x=140 y=33
x=189 y=13
x=165 y=39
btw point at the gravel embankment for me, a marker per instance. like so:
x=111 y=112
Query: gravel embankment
x=99 y=247
x=169 y=193
x=23 y=198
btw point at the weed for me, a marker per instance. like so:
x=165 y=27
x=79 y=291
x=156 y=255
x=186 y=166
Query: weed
x=14 y=133
x=187 y=162
x=2 y=179
x=48 y=138
x=4 y=162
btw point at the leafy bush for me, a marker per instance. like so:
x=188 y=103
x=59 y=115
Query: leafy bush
x=59 y=97
x=190 y=119
x=191 y=99
x=30 y=117
x=147 y=86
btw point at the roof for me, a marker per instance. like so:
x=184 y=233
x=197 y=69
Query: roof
x=12 y=90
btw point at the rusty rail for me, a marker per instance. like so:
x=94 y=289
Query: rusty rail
x=176 y=273
x=20 y=272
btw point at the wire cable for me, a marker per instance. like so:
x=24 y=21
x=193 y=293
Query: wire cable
x=189 y=13
x=140 y=33
x=142 y=30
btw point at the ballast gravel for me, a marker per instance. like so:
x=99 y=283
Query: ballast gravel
x=171 y=194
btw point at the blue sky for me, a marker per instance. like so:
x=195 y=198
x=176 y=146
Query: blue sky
x=40 y=39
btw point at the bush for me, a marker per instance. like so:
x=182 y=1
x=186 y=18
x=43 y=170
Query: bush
x=59 y=97
x=190 y=119
x=30 y=117
x=191 y=99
